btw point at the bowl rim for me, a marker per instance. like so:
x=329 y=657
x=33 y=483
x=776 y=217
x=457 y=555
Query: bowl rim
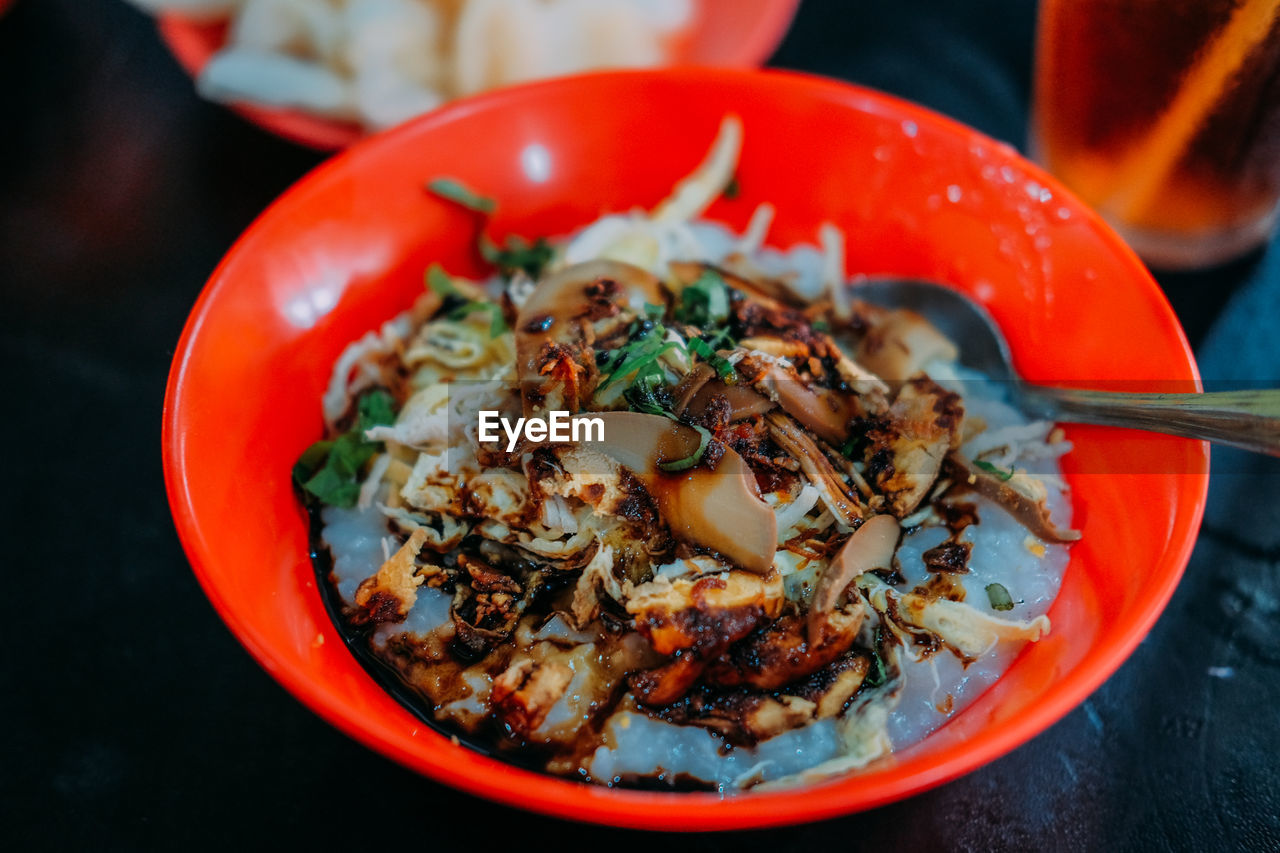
x=183 y=36
x=649 y=809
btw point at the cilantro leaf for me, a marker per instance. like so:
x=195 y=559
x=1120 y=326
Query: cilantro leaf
x=705 y=302
x=451 y=189
x=329 y=470
x=376 y=408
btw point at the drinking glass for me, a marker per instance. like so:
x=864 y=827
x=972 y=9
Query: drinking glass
x=1164 y=115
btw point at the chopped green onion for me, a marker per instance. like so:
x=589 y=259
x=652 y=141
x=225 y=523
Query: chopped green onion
x=455 y=191
x=711 y=357
x=636 y=355
x=999 y=597
x=700 y=347
x=820 y=325
x=643 y=395
x=995 y=470
x=693 y=458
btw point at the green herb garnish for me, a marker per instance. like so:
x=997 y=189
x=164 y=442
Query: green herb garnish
x=517 y=253
x=995 y=470
x=719 y=363
x=442 y=285
x=705 y=302
x=330 y=469
x=455 y=191
x=999 y=597
x=497 y=322
x=877 y=673
x=693 y=458
x=647 y=389
x=646 y=393
x=820 y=325
x=733 y=189
x=639 y=355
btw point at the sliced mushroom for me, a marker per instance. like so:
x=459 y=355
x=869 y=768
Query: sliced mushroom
x=690 y=385
x=815 y=465
x=822 y=410
x=1031 y=513
x=870 y=547
x=551 y=326
x=719 y=509
x=901 y=343
x=743 y=402
x=700 y=387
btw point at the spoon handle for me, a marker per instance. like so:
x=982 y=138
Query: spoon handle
x=1246 y=419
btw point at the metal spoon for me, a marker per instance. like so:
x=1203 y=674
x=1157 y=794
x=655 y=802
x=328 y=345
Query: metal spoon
x=1244 y=419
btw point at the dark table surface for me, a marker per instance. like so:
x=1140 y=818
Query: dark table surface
x=133 y=719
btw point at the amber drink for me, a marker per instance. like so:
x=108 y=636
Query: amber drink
x=1165 y=116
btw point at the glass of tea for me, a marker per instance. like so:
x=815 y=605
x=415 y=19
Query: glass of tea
x=1164 y=115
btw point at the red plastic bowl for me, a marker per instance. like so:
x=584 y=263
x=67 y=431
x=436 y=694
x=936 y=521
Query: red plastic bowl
x=729 y=33
x=345 y=249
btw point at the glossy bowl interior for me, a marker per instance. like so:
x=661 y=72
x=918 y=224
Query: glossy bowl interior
x=727 y=33
x=917 y=195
